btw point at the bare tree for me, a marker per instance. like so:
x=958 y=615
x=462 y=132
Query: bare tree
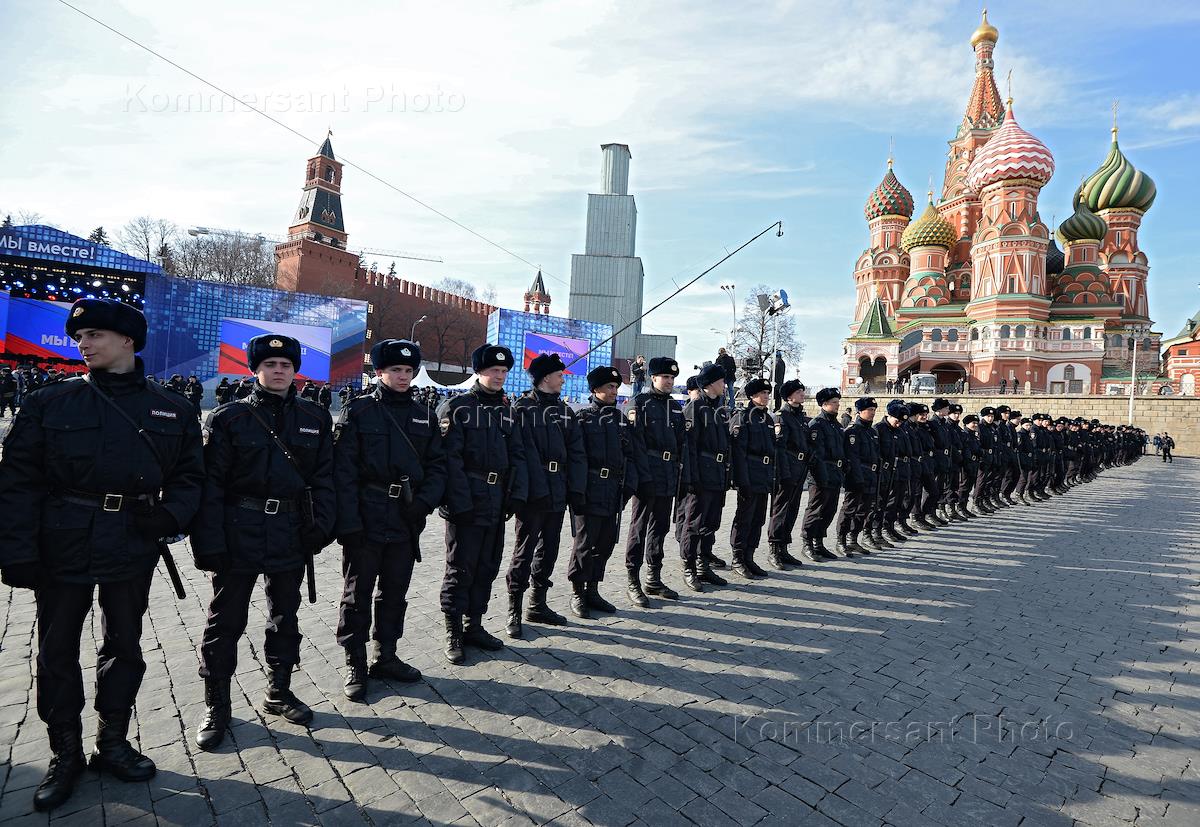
x=143 y=237
x=760 y=333
x=235 y=258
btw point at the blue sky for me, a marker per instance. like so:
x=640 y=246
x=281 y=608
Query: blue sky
x=737 y=115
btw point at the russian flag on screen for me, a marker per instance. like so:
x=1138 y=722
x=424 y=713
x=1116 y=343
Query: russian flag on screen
x=567 y=349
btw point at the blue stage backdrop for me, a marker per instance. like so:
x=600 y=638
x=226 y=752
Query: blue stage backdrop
x=528 y=334
x=186 y=320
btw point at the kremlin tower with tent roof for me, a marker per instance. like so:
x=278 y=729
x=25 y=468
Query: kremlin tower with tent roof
x=976 y=289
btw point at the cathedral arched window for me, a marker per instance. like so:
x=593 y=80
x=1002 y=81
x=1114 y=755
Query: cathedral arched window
x=1087 y=333
x=936 y=335
x=987 y=332
x=1145 y=344
x=1069 y=373
x=1005 y=331
x=952 y=335
x=329 y=174
x=1066 y=334
x=974 y=334
x=1118 y=340
x=1020 y=331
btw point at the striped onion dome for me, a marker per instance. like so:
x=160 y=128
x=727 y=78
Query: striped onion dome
x=1011 y=153
x=1084 y=225
x=889 y=198
x=1118 y=185
x=930 y=230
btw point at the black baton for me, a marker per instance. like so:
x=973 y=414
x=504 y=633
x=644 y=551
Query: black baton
x=172 y=571
x=310 y=572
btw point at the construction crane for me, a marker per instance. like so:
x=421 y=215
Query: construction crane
x=362 y=251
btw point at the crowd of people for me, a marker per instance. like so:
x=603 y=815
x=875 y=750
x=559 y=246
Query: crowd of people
x=97 y=477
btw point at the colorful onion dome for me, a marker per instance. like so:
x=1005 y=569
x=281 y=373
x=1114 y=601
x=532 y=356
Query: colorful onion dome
x=986 y=31
x=930 y=230
x=889 y=198
x=1011 y=153
x=1055 y=260
x=1084 y=225
x=927 y=290
x=1118 y=185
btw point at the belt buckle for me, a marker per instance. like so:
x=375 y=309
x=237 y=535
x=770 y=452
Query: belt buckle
x=800 y=455
x=271 y=506
x=839 y=465
x=117 y=501
x=603 y=473
x=552 y=466
x=766 y=460
x=395 y=490
x=873 y=467
x=720 y=457
x=666 y=455
x=492 y=478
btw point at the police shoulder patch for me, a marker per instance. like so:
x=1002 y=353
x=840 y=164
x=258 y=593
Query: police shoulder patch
x=444 y=424
x=632 y=414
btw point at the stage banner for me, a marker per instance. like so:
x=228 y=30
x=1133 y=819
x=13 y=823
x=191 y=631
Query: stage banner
x=38 y=329
x=315 y=345
x=568 y=350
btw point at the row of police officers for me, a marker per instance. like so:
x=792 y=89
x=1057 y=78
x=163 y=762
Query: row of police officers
x=100 y=473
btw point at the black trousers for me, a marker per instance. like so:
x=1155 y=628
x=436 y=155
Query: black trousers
x=649 y=522
x=62 y=609
x=931 y=488
x=785 y=508
x=595 y=538
x=887 y=502
x=703 y=518
x=538 y=536
x=966 y=481
x=1024 y=482
x=748 y=520
x=1166 y=455
x=473 y=554
x=951 y=482
x=983 y=481
x=388 y=566
x=821 y=508
x=229 y=611
x=1012 y=475
x=856 y=509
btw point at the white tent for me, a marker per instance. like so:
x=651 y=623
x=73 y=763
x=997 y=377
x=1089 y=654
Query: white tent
x=424 y=380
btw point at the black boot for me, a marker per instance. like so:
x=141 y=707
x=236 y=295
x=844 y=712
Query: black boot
x=819 y=550
x=906 y=528
x=691 y=578
x=866 y=540
x=66 y=765
x=634 y=590
x=114 y=754
x=218 y=711
x=579 y=603
x=707 y=575
x=775 y=557
x=539 y=612
x=896 y=537
x=808 y=551
x=755 y=569
x=787 y=557
x=715 y=562
x=840 y=549
x=388 y=667
x=356 y=673
x=454 y=637
x=279 y=699
x=475 y=635
x=595 y=600
x=739 y=567
x=513 y=629
x=655 y=587
x=923 y=522
x=855 y=546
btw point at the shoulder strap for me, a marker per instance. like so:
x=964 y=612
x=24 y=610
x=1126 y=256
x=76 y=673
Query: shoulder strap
x=278 y=442
x=140 y=430
x=399 y=429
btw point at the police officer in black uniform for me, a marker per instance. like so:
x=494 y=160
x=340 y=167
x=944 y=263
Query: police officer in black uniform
x=486 y=482
x=611 y=480
x=938 y=429
x=972 y=460
x=660 y=451
x=1027 y=459
x=95 y=471
x=557 y=472
x=680 y=512
x=924 y=473
x=826 y=461
x=952 y=499
x=790 y=474
x=268 y=505
x=861 y=477
x=706 y=477
x=981 y=493
x=390 y=474
x=754 y=435
x=893 y=474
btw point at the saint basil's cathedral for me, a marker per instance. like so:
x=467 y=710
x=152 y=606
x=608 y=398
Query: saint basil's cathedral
x=976 y=289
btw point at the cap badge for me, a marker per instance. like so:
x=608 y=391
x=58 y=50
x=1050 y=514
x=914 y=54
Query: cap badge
x=275 y=343
x=499 y=357
x=78 y=311
x=405 y=352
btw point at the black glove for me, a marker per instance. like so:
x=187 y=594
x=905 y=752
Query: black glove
x=513 y=507
x=353 y=542
x=313 y=544
x=416 y=513
x=21 y=575
x=646 y=491
x=577 y=500
x=156 y=523
x=215 y=563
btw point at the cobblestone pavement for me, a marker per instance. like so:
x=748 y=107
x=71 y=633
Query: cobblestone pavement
x=1039 y=667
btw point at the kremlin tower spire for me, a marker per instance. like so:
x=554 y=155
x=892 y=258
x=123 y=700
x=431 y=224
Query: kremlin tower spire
x=537 y=298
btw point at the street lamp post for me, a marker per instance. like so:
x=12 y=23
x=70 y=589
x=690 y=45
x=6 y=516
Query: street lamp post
x=413 y=332
x=729 y=290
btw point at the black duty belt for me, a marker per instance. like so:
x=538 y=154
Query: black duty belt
x=887 y=466
x=271 y=505
x=766 y=458
x=602 y=473
x=718 y=456
x=490 y=477
x=551 y=466
x=394 y=490
x=800 y=456
x=665 y=456
x=105 y=502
